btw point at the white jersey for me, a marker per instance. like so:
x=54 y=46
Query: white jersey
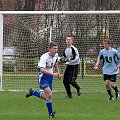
x=48 y=62
x=71 y=53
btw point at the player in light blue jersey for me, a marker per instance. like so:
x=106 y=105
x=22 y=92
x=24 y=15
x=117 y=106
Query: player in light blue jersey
x=47 y=69
x=111 y=65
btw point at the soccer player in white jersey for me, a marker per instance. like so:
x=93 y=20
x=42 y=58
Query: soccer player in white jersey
x=111 y=64
x=47 y=69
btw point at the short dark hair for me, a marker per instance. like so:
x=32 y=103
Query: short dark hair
x=52 y=44
x=107 y=41
x=70 y=37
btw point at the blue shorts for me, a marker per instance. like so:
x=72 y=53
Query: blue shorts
x=112 y=78
x=45 y=84
x=45 y=81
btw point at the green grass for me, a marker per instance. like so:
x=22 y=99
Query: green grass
x=23 y=83
x=89 y=106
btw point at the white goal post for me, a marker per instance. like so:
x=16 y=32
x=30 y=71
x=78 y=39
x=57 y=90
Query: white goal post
x=1 y=48
x=24 y=36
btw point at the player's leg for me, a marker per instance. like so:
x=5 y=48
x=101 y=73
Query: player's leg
x=72 y=79
x=39 y=94
x=33 y=92
x=107 y=85
x=114 y=85
x=29 y=93
x=67 y=84
x=48 y=96
x=75 y=85
x=108 y=88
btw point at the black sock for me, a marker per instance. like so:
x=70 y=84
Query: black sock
x=110 y=93
x=116 y=89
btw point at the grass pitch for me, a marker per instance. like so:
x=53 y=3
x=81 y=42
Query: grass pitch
x=88 y=106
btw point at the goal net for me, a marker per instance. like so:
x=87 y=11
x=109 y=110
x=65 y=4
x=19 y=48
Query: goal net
x=26 y=36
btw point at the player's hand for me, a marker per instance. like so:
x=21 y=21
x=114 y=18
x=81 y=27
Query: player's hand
x=55 y=74
x=67 y=60
x=58 y=75
x=118 y=66
x=95 y=67
x=61 y=59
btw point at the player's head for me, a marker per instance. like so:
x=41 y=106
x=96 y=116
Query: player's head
x=106 y=43
x=69 y=40
x=53 y=47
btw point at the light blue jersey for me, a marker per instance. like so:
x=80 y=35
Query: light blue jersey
x=110 y=60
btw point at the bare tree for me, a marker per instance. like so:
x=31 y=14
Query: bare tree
x=29 y=5
x=0 y=5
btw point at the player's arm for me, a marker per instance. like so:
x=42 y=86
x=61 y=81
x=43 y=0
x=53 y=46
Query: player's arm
x=44 y=71
x=62 y=59
x=57 y=70
x=97 y=64
x=118 y=66
x=42 y=67
x=100 y=57
x=118 y=55
x=75 y=57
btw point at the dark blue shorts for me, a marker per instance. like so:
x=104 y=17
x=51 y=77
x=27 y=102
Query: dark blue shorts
x=45 y=81
x=110 y=77
x=45 y=84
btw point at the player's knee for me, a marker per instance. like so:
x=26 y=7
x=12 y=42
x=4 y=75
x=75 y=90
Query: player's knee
x=107 y=86
x=49 y=96
x=72 y=82
x=64 y=82
x=107 y=83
